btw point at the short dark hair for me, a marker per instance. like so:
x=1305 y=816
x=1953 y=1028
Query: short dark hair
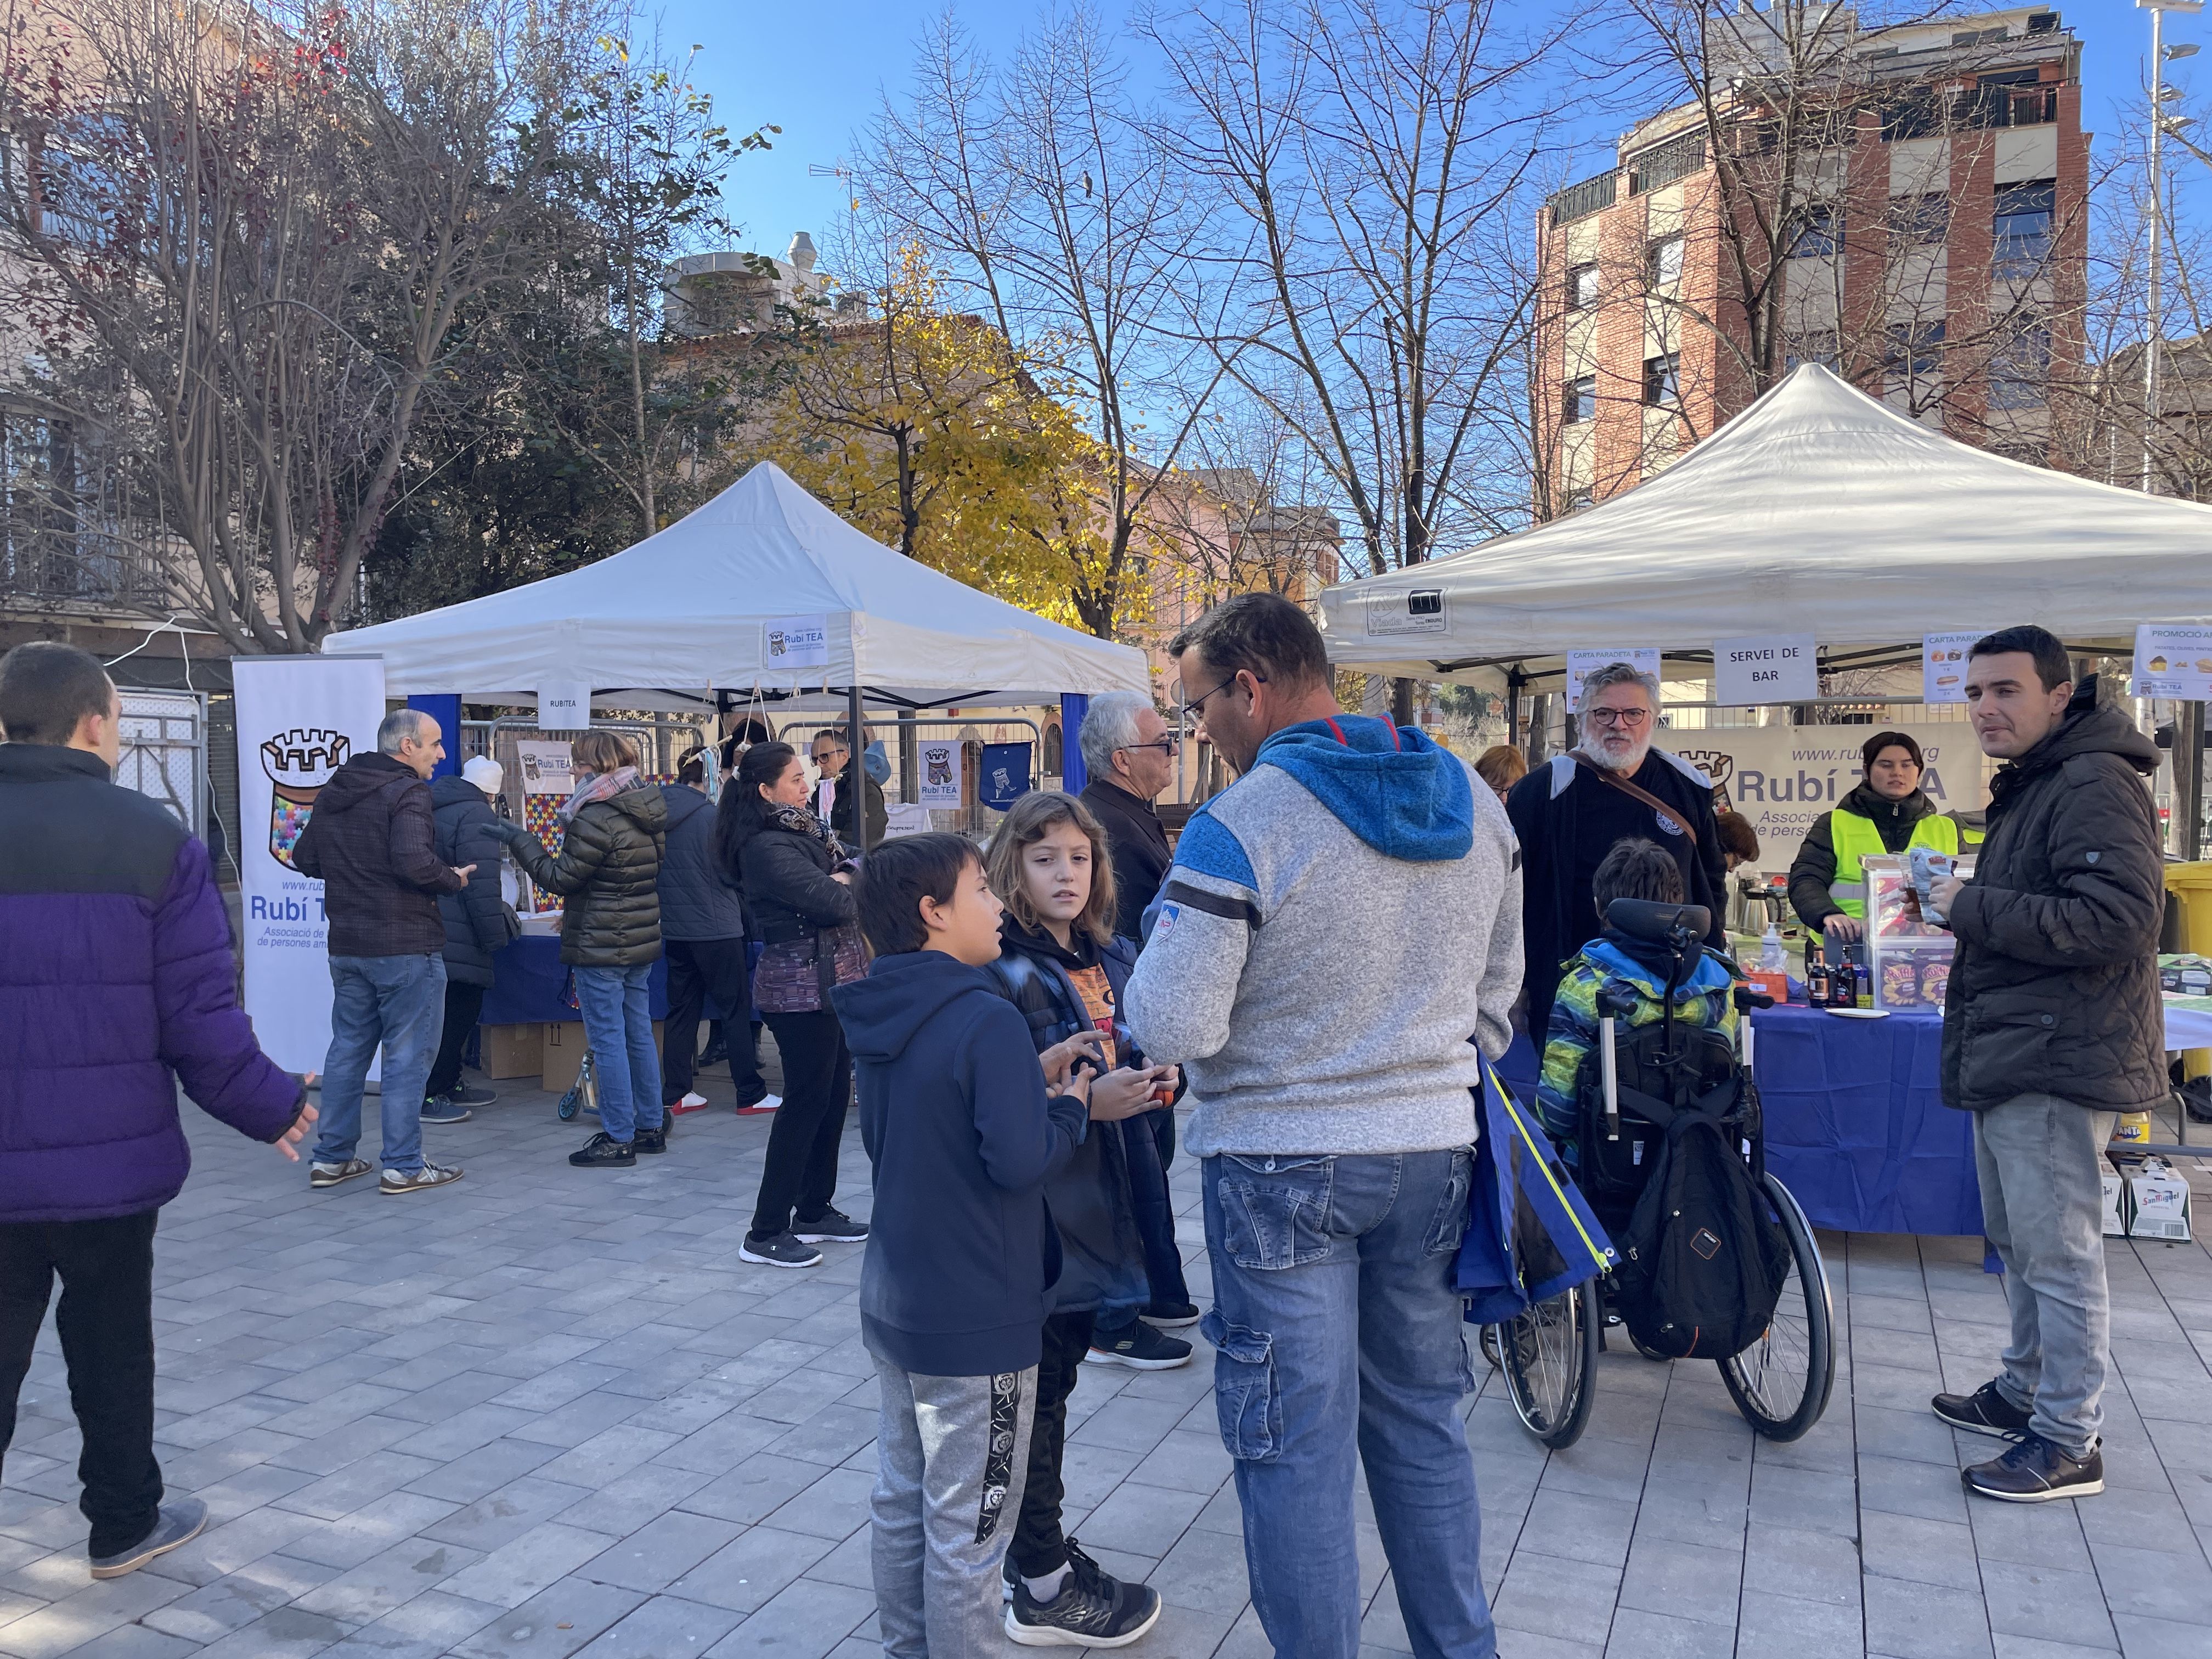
x=1870 y=750
x=1637 y=869
x=47 y=688
x=1263 y=633
x=1737 y=836
x=2052 y=666
x=899 y=875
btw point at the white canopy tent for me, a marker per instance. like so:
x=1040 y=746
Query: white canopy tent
x=1818 y=510
x=720 y=604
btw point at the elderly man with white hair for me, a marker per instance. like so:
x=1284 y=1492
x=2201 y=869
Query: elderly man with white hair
x=1613 y=787
x=1130 y=754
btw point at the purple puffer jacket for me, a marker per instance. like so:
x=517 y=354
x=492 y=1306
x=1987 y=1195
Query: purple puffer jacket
x=116 y=983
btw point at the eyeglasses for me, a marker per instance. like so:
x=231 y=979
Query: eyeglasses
x=1617 y=716
x=1197 y=709
x=1169 y=743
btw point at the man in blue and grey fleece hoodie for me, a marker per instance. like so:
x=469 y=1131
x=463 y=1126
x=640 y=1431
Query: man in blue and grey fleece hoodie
x=1335 y=927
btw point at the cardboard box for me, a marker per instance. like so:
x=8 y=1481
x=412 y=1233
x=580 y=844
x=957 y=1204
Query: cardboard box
x=2117 y=1203
x=564 y=1052
x=2159 y=1203
x=512 y=1050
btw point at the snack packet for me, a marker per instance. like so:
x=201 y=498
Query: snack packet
x=1928 y=867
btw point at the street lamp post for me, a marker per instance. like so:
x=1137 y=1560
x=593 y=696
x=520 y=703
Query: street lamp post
x=2155 y=339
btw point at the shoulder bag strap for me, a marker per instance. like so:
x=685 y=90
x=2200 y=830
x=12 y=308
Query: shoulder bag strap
x=1613 y=779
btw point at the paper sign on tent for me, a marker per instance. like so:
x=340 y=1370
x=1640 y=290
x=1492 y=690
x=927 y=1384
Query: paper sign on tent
x=2174 y=660
x=1643 y=658
x=1943 y=666
x=1768 y=668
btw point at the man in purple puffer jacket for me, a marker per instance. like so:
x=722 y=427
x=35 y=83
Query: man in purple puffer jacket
x=116 y=983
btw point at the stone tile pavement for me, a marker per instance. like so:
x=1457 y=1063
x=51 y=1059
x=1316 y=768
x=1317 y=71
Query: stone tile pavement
x=546 y=1412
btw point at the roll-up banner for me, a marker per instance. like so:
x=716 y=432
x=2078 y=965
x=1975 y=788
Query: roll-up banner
x=299 y=719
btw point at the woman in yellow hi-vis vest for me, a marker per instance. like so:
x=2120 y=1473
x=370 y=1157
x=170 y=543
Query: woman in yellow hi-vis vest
x=1886 y=813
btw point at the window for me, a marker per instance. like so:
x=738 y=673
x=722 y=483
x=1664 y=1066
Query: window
x=1819 y=231
x=2022 y=234
x=1813 y=346
x=1662 y=380
x=1915 y=357
x=1582 y=287
x=1920 y=221
x=1580 y=404
x=2020 y=369
x=1662 y=262
x=1580 y=499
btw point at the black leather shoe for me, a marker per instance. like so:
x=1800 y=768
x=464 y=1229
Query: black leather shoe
x=643 y=1140
x=1985 y=1411
x=2035 y=1472
x=603 y=1152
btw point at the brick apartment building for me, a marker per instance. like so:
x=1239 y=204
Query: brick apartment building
x=1935 y=240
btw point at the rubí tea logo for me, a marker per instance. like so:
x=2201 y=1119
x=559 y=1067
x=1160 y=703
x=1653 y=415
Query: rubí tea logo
x=298 y=763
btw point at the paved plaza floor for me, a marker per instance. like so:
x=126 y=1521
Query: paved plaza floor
x=546 y=1412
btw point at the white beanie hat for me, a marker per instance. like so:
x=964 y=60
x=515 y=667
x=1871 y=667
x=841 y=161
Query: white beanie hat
x=485 y=773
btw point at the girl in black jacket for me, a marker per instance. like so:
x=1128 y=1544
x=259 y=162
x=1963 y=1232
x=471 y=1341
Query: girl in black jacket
x=1065 y=970
x=797 y=889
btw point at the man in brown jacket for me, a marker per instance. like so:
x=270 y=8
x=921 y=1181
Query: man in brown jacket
x=370 y=842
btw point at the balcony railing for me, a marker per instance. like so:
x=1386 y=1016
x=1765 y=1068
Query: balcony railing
x=1579 y=200
x=1663 y=164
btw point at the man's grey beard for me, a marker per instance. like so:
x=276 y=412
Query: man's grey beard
x=1625 y=763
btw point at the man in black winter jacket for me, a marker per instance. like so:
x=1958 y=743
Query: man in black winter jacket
x=371 y=842
x=702 y=933
x=477 y=928
x=2052 y=1025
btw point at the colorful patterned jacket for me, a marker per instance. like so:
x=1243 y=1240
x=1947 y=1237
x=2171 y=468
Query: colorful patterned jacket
x=1610 y=960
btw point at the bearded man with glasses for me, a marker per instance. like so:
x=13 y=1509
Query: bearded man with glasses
x=1612 y=786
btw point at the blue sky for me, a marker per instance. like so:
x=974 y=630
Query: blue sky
x=817 y=71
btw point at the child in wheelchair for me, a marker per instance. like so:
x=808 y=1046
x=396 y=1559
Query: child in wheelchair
x=1627 y=978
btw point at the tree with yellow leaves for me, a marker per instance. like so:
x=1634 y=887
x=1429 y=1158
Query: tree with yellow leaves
x=926 y=428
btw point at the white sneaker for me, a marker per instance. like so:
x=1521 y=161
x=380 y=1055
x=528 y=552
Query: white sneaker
x=694 y=1101
x=765 y=1103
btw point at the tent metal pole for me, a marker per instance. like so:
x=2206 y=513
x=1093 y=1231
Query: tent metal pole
x=909 y=757
x=857 y=735
x=2189 y=780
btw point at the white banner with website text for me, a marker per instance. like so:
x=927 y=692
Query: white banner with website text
x=299 y=719
x=1784 y=778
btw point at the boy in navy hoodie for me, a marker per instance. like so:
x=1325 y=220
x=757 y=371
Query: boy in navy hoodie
x=962 y=1131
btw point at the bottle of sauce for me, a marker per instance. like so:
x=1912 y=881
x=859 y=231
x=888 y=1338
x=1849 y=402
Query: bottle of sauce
x=1844 y=983
x=1816 y=973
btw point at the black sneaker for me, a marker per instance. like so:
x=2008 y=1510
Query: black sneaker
x=1142 y=1348
x=173 y=1524
x=1170 y=1316
x=442 y=1109
x=1094 y=1609
x=1985 y=1411
x=2035 y=1471
x=467 y=1096
x=781 y=1251
x=833 y=1226
x=603 y=1152
x=655 y=1139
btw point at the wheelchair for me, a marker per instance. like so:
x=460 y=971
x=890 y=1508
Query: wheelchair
x=1548 y=1356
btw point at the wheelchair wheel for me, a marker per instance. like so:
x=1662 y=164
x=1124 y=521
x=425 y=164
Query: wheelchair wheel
x=1781 y=1382
x=1549 y=1361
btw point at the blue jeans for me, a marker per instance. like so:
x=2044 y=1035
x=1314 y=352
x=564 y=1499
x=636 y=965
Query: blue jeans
x=400 y=1003
x=1336 y=1325
x=617 y=1010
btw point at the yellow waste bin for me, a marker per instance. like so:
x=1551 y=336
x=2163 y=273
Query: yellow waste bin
x=2191 y=887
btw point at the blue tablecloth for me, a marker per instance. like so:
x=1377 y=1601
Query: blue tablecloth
x=1856 y=1126
x=529 y=977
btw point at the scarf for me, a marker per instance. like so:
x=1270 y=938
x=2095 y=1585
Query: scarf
x=600 y=785
x=800 y=822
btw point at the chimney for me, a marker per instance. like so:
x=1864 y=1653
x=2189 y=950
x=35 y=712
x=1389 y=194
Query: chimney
x=800 y=255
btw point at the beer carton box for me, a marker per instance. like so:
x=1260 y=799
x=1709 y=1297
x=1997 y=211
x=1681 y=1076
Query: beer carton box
x=2158 y=1199
x=2118 y=1197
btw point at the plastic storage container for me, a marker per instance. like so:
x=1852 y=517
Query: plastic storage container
x=1908 y=958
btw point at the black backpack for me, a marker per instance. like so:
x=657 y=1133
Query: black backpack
x=1703 y=1259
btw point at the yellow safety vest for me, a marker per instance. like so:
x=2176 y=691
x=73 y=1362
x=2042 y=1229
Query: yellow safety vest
x=1855 y=838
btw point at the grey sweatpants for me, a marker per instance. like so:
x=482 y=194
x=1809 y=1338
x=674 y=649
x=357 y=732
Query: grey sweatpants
x=2040 y=1160
x=951 y=1452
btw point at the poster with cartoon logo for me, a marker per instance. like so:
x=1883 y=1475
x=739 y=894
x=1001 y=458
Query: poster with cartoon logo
x=299 y=719
x=940 y=773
